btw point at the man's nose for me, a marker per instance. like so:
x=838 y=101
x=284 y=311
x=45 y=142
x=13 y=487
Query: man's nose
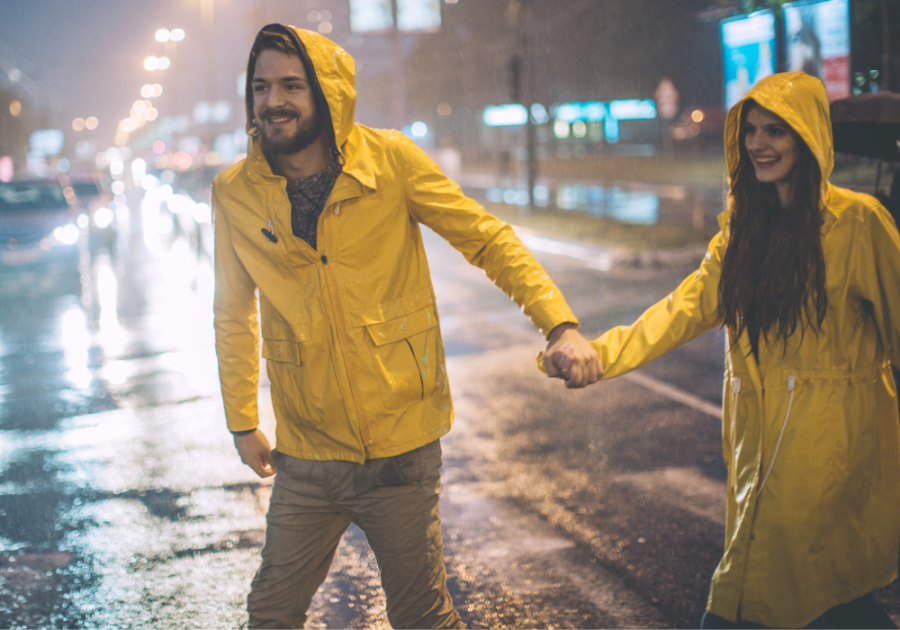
x=274 y=99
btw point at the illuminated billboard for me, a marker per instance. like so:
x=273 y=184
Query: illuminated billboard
x=418 y=15
x=377 y=16
x=371 y=16
x=748 y=52
x=817 y=41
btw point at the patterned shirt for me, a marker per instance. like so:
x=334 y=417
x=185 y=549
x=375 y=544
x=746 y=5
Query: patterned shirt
x=308 y=196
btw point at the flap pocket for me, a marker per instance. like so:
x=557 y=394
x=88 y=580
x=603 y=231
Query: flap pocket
x=298 y=332
x=284 y=351
x=402 y=327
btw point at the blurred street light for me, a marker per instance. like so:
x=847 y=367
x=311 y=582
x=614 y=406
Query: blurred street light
x=151 y=91
x=78 y=124
x=163 y=35
x=156 y=63
x=177 y=34
x=15 y=108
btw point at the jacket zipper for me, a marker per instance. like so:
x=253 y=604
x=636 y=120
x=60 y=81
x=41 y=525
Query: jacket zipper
x=337 y=308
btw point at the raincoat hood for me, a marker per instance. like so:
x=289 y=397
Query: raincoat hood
x=801 y=101
x=335 y=74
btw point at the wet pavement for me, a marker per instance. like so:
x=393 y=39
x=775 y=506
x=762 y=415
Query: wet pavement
x=124 y=504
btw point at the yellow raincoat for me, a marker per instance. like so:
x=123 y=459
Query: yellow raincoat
x=824 y=528
x=350 y=331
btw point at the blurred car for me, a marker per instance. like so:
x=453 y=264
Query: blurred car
x=699 y=125
x=38 y=229
x=92 y=200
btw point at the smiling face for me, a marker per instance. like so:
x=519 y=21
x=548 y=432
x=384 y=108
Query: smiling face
x=772 y=147
x=283 y=104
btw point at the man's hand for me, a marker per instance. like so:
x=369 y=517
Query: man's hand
x=571 y=357
x=255 y=451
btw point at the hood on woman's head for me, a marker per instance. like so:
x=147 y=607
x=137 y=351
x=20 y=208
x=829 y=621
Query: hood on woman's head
x=801 y=101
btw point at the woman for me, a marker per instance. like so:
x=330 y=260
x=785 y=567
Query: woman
x=804 y=277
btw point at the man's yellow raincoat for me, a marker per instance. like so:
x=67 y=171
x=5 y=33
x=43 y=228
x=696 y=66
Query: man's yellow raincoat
x=350 y=330
x=810 y=433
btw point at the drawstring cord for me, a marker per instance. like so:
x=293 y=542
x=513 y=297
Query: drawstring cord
x=736 y=389
x=780 y=436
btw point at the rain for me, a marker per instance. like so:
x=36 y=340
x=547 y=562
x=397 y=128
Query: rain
x=591 y=129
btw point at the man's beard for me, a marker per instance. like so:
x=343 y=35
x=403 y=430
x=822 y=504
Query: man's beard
x=308 y=131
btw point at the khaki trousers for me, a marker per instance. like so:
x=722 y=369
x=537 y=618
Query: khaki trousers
x=393 y=500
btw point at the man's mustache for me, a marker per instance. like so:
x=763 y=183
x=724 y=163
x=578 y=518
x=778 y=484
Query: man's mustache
x=278 y=113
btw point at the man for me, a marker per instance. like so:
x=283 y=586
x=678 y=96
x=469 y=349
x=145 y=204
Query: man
x=322 y=218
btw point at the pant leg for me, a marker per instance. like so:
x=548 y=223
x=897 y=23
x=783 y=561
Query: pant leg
x=712 y=621
x=397 y=507
x=863 y=612
x=303 y=529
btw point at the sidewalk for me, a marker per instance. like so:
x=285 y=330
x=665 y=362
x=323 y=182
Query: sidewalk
x=623 y=211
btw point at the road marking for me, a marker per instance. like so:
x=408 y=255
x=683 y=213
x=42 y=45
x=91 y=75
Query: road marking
x=678 y=395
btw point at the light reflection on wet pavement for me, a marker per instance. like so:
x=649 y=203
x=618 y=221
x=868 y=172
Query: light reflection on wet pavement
x=124 y=504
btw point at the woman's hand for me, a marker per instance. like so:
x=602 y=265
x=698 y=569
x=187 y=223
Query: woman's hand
x=571 y=357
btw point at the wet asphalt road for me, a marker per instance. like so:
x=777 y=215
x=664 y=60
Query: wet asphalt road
x=124 y=504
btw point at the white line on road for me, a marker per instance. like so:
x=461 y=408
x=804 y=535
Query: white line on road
x=678 y=395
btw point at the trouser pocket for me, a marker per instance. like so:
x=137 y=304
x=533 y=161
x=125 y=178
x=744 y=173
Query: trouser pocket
x=400 y=470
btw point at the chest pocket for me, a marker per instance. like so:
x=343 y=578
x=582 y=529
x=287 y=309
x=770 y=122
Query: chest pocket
x=405 y=357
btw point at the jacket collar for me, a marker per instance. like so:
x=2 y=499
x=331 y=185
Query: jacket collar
x=357 y=179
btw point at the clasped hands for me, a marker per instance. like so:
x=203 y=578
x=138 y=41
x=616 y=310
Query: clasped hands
x=571 y=357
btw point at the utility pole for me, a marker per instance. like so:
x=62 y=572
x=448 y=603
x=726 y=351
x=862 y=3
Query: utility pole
x=885 y=46
x=398 y=82
x=527 y=76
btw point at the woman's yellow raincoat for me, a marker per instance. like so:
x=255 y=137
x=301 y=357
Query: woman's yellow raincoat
x=350 y=330
x=810 y=432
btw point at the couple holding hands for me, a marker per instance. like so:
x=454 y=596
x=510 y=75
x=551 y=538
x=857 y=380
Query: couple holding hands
x=321 y=221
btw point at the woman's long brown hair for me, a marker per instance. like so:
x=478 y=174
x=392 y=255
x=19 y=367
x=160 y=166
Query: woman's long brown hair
x=773 y=274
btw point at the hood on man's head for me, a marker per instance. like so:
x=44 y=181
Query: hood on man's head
x=332 y=75
x=801 y=101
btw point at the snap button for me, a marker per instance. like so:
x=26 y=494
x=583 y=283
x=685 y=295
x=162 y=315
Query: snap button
x=279 y=350
x=403 y=326
x=752 y=536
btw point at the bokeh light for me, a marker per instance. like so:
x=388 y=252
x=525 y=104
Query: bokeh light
x=78 y=124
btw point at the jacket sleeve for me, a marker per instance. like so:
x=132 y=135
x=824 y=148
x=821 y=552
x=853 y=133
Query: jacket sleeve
x=877 y=271
x=486 y=242
x=686 y=313
x=237 y=328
